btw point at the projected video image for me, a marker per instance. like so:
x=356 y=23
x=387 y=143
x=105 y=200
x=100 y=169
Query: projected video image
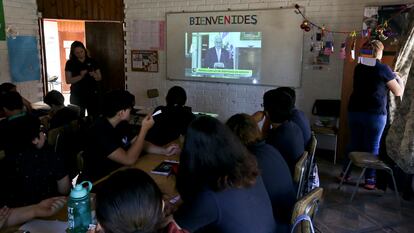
x=223 y=54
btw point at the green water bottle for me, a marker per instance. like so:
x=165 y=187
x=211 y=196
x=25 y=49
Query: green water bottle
x=79 y=208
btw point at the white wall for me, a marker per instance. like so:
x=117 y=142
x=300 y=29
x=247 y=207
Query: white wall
x=227 y=99
x=224 y=99
x=21 y=16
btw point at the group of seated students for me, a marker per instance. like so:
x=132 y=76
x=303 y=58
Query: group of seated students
x=232 y=177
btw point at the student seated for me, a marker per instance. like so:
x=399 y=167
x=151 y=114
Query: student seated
x=14 y=216
x=106 y=149
x=10 y=87
x=59 y=114
x=30 y=170
x=130 y=201
x=297 y=117
x=173 y=120
x=219 y=183
x=285 y=135
x=273 y=168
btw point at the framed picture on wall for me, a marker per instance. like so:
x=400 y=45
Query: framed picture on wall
x=144 y=60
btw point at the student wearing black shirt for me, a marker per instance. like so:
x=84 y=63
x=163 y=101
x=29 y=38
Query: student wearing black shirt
x=173 y=119
x=30 y=171
x=107 y=149
x=83 y=73
x=59 y=114
x=273 y=168
x=219 y=183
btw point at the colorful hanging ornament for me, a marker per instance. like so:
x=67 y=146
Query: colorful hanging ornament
x=342 y=53
x=353 y=36
x=305 y=26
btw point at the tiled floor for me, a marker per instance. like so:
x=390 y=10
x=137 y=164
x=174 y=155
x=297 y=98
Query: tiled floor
x=370 y=211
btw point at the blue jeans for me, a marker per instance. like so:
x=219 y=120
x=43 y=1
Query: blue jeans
x=366 y=131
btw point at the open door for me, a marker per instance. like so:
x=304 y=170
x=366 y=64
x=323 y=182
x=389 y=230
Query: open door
x=105 y=43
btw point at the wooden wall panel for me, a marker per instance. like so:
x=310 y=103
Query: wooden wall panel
x=112 y=10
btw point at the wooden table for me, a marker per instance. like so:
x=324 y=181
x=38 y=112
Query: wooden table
x=149 y=162
x=145 y=163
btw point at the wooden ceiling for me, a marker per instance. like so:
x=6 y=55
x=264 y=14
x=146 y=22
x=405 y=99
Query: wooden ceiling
x=111 y=10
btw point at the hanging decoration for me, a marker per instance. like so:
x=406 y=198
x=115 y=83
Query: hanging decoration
x=374 y=26
x=382 y=31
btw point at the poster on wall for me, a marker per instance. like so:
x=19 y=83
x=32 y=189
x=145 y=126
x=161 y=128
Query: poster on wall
x=144 y=60
x=148 y=34
x=23 y=58
x=2 y=23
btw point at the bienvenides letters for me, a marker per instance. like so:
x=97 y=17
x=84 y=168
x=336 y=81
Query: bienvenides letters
x=223 y=19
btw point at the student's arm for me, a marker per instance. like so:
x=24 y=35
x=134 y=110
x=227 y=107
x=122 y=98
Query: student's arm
x=130 y=156
x=74 y=79
x=197 y=213
x=64 y=185
x=45 y=208
x=168 y=151
x=396 y=88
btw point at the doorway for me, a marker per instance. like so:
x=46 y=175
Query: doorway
x=104 y=41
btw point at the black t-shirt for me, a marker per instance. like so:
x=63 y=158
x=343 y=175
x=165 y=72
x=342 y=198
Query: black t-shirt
x=172 y=122
x=370 y=88
x=102 y=140
x=277 y=180
x=87 y=85
x=234 y=210
x=30 y=176
x=63 y=117
x=288 y=139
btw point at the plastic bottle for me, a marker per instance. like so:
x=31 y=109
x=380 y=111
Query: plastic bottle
x=79 y=208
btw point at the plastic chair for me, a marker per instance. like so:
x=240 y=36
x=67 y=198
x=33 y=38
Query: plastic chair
x=312 y=149
x=153 y=94
x=305 y=209
x=53 y=136
x=328 y=114
x=300 y=174
x=366 y=160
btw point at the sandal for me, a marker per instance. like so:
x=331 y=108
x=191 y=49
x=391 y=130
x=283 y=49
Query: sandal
x=347 y=179
x=369 y=184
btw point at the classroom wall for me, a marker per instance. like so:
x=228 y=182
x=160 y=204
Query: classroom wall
x=228 y=99
x=21 y=16
x=224 y=99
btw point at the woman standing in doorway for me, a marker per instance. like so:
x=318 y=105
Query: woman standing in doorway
x=83 y=73
x=367 y=109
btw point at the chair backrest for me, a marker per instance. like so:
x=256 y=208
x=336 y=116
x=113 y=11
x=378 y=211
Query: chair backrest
x=53 y=136
x=306 y=206
x=312 y=148
x=325 y=107
x=300 y=173
x=153 y=94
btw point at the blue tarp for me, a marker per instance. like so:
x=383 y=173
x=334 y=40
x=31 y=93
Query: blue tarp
x=23 y=58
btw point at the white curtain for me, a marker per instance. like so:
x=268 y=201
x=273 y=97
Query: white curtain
x=400 y=137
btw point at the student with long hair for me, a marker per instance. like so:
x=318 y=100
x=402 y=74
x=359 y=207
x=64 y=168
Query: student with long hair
x=83 y=73
x=274 y=170
x=130 y=201
x=219 y=183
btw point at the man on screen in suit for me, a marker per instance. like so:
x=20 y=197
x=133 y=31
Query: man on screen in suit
x=217 y=56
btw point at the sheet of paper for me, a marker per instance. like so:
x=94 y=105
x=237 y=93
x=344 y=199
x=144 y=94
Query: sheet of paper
x=45 y=226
